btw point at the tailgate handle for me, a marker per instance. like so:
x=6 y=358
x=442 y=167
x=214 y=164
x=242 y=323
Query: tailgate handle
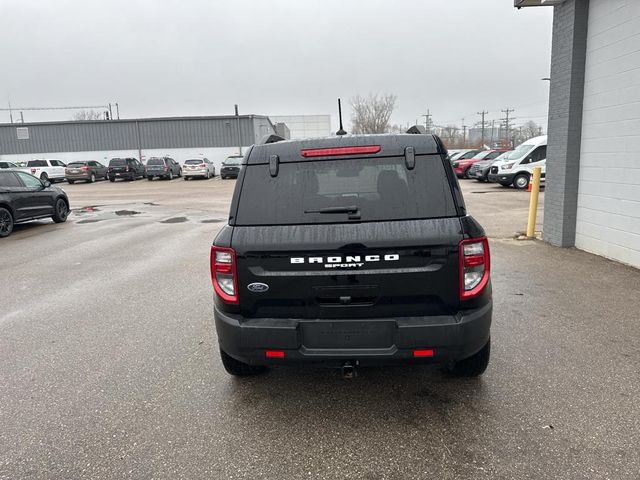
x=410 y=157
x=274 y=165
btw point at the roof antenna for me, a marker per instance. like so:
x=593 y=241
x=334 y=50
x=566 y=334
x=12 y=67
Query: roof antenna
x=342 y=130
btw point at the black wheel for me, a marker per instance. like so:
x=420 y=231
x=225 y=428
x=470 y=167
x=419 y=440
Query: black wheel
x=239 y=369
x=112 y=179
x=521 y=181
x=92 y=179
x=475 y=365
x=60 y=211
x=71 y=182
x=44 y=177
x=186 y=178
x=149 y=178
x=6 y=222
x=170 y=175
x=179 y=173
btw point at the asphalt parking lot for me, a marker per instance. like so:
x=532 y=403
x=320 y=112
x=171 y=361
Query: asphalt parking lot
x=109 y=366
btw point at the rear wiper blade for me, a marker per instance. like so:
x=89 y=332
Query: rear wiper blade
x=346 y=209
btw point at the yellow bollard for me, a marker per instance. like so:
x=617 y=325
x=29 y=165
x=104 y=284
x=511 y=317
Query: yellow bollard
x=533 y=202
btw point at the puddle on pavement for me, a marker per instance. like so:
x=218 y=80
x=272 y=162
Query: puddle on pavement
x=87 y=209
x=175 y=220
x=123 y=213
x=212 y=220
x=91 y=220
x=152 y=204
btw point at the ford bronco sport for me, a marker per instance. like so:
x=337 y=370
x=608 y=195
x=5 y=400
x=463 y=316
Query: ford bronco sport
x=352 y=250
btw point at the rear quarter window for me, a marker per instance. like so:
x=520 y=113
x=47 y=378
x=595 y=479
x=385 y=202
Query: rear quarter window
x=382 y=189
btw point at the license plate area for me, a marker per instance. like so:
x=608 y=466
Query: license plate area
x=348 y=334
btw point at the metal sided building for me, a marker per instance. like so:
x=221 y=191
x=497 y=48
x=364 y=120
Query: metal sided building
x=592 y=198
x=178 y=137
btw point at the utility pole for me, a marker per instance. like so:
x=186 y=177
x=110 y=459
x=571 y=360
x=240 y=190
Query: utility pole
x=21 y=117
x=482 y=114
x=118 y=110
x=506 y=126
x=110 y=113
x=427 y=121
x=492 y=130
x=464 y=134
x=10 y=112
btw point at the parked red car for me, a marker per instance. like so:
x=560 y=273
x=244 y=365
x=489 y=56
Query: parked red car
x=461 y=167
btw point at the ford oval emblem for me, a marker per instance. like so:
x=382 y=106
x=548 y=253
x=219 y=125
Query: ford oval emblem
x=258 y=287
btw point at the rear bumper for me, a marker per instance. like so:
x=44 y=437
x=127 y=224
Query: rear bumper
x=229 y=173
x=451 y=337
x=78 y=176
x=194 y=173
x=129 y=175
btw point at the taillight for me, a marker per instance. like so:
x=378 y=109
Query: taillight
x=165 y=168
x=85 y=169
x=338 y=151
x=474 y=267
x=223 y=274
x=126 y=169
x=203 y=165
x=33 y=171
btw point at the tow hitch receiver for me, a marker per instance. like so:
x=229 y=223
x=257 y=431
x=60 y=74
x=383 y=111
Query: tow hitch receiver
x=349 y=370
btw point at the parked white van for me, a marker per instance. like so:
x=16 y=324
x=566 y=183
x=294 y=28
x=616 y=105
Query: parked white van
x=517 y=166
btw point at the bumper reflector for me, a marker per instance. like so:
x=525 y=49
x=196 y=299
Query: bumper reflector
x=427 y=352
x=274 y=354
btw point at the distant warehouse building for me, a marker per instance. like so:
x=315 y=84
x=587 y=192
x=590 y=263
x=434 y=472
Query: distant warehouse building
x=305 y=126
x=592 y=197
x=178 y=137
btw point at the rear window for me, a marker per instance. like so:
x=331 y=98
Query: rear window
x=194 y=162
x=117 y=162
x=379 y=188
x=37 y=163
x=76 y=164
x=155 y=161
x=233 y=161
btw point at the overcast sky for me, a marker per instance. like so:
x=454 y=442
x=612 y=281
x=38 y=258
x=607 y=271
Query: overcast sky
x=278 y=57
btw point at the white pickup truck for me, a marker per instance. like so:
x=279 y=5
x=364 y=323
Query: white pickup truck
x=52 y=170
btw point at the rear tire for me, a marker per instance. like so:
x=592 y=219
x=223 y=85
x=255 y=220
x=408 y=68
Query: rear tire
x=112 y=179
x=92 y=179
x=239 y=369
x=60 y=211
x=6 y=222
x=44 y=177
x=71 y=182
x=170 y=175
x=473 y=366
x=149 y=178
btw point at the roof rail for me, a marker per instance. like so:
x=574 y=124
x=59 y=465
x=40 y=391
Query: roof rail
x=270 y=138
x=417 y=129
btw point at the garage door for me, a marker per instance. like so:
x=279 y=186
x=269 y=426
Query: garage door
x=608 y=216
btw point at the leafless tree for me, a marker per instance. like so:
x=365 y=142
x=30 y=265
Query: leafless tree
x=88 y=115
x=530 y=129
x=372 y=114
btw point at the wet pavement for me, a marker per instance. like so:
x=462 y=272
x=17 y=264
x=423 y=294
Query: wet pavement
x=109 y=366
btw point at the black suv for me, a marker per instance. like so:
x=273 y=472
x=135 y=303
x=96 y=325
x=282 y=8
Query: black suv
x=350 y=251
x=126 y=168
x=24 y=197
